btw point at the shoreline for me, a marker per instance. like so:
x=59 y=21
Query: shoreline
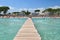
x=46 y=17
x=28 y=17
x=12 y=17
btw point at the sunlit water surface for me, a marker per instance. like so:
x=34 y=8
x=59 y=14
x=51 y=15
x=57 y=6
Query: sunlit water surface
x=9 y=27
x=48 y=28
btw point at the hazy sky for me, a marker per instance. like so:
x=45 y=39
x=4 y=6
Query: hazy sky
x=30 y=3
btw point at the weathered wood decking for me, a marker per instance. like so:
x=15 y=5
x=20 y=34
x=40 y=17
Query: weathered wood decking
x=28 y=32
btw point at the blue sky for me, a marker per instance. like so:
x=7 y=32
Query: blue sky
x=30 y=3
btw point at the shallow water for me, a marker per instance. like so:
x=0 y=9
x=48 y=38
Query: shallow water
x=9 y=27
x=48 y=28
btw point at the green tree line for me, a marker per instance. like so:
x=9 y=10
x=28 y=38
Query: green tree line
x=51 y=11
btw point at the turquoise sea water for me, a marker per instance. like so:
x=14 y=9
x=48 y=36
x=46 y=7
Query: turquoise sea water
x=48 y=28
x=9 y=27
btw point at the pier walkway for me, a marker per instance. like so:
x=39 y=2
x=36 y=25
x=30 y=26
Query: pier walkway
x=27 y=32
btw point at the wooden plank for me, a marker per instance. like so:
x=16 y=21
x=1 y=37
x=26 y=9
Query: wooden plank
x=27 y=32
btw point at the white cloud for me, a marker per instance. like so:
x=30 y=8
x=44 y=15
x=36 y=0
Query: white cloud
x=13 y=9
x=31 y=9
x=55 y=7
